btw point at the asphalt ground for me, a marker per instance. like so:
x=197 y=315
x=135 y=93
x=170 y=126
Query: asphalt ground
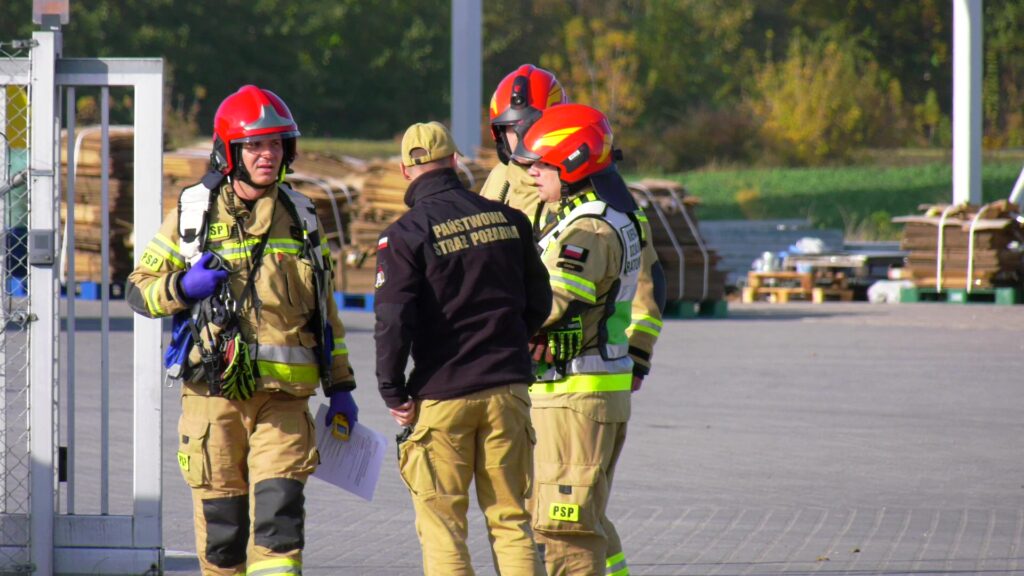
x=840 y=438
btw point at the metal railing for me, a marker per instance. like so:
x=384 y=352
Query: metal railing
x=15 y=495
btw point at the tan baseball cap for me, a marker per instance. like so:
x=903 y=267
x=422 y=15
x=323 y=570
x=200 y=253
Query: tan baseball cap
x=430 y=136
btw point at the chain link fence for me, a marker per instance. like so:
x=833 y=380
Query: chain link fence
x=14 y=309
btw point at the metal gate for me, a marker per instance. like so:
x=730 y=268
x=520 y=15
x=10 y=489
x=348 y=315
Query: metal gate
x=41 y=529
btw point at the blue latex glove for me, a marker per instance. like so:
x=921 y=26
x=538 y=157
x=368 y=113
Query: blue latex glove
x=200 y=281
x=342 y=414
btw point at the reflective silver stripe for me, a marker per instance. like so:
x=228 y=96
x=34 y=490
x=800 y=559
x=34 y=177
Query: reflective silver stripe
x=285 y=354
x=592 y=364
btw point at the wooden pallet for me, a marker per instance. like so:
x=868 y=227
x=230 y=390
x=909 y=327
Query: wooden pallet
x=1004 y=296
x=819 y=294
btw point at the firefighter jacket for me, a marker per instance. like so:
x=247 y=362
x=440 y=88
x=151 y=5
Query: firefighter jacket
x=460 y=284
x=278 y=319
x=593 y=255
x=645 y=318
x=511 y=185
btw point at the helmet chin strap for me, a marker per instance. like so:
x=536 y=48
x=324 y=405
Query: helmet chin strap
x=241 y=174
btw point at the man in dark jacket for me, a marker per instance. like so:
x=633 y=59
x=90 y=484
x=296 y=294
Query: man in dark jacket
x=460 y=285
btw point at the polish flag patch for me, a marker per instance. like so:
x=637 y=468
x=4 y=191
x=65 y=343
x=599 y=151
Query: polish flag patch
x=382 y=243
x=573 y=252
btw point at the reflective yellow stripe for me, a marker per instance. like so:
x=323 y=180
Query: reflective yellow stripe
x=616 y=565
x=274 y=567
x=340 y=347
x=646 y=318
x=297 y=373
x=646 y=324
x=577 y=285
x=163 y=246
x=644 y=329
x=585 y=383
x=151 y=299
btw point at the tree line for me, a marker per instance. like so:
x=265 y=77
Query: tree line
x=685 y=82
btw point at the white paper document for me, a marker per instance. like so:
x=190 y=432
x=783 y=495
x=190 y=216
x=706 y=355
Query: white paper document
x=353 y=465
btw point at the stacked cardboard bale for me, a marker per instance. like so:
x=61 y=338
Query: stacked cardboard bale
x=690 y=266
x=945 y=232
x=89 y=207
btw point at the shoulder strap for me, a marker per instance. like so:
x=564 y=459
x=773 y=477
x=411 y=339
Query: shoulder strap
x=193 y=210
x=303 y=211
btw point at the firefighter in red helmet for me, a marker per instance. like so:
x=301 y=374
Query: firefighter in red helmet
x=244 y=271
x=581 y=399
x=516 y=104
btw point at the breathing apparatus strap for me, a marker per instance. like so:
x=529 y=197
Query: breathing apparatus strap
x=303 y=211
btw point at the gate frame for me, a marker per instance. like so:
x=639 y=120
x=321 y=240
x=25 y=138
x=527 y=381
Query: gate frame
x=116 y=544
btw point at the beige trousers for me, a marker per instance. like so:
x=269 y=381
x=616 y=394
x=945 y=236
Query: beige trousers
x=486 y=437
x=575 y=462
x=247 y=462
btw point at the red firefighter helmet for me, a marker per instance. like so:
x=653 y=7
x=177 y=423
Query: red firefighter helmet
x=577 y=139
x=520 y=98
x=249 y=115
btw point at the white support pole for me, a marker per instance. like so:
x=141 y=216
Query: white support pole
x=467 y=74
x=147 y=447
x=967 y=123
x=43 y=168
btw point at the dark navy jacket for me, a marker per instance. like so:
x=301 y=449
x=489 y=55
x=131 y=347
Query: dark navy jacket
x=459 y=284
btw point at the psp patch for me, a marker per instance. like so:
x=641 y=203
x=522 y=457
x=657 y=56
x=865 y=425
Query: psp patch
x=573 y=252
x=379 y=280
x=219 y=231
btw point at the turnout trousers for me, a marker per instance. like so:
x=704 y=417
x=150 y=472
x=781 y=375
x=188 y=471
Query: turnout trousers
x=487 y=437
x=247 y=462
x=575 y=463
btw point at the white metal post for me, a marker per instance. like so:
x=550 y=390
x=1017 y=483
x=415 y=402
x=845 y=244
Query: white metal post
x=147 y=447
x=467 y=74
x=967 y=124
x=42 y=296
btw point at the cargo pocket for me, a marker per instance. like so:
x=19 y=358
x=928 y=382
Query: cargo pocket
x=414 y=464
x=192 y=454
x=532 y=436
x=313 y=455
x=299 y=284
x=564 y=499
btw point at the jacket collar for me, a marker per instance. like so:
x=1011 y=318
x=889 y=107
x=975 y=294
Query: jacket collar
x=430 y=183
x=254 y=222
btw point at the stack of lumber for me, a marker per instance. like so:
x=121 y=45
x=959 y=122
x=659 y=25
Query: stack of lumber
x=381 y=202
x=690 y=265
x=89 y=207
x=940 y=247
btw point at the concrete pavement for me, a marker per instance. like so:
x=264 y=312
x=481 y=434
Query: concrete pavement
x=842 y=438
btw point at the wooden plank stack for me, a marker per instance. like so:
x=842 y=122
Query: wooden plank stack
x=89 y=207
x=690 y=265
x=996 y=259
x=381 y=202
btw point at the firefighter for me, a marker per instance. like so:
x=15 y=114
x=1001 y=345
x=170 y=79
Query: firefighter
x=581 y=401
x=517 y=103
x=460 y=285
x=244 y=271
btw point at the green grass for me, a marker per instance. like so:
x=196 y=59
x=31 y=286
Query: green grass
x=859 y=200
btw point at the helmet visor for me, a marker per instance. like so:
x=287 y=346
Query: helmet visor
x=270 y=136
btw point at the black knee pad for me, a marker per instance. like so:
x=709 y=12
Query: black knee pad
x=279 y=514
x=227 y=530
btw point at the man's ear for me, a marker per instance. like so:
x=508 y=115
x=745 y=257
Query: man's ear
x=405 y=171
